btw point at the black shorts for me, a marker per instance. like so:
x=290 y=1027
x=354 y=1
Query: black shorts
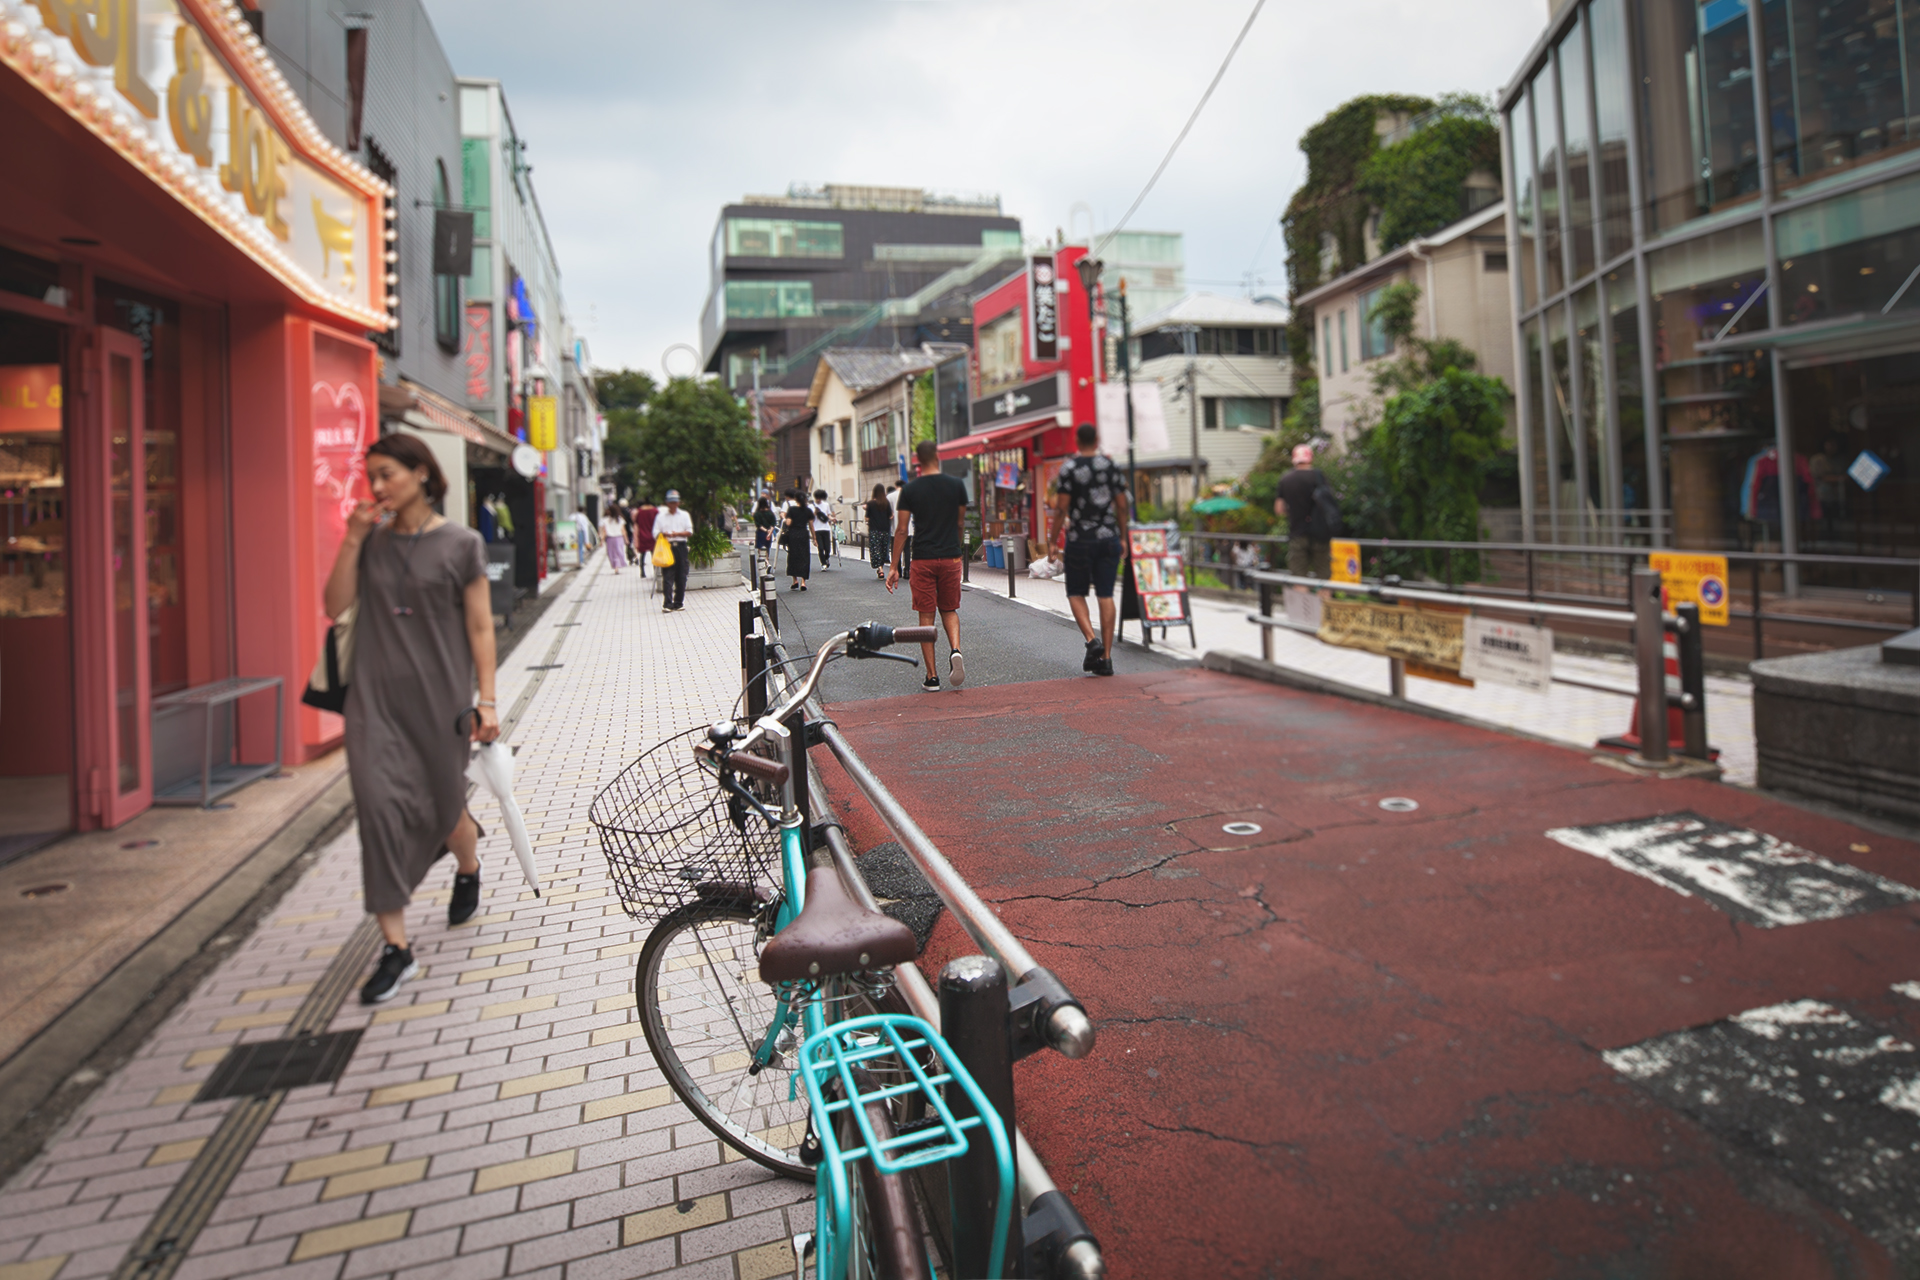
x=1093 y=564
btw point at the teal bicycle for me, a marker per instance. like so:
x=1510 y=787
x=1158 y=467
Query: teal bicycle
x=766 y=988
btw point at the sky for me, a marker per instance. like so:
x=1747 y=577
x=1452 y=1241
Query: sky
x=642 y=119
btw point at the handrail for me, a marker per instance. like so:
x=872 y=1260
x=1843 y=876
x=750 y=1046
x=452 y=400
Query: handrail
x=1381 y=592
x=1578 y=549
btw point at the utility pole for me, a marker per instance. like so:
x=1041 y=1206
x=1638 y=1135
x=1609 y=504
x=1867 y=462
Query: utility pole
x=759 y=421
x=1189 y=342
x=1126 y=370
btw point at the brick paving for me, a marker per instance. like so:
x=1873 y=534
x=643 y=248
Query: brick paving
x=502 y=1116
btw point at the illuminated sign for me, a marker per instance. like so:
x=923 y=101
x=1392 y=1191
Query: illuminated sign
x=188 y=94
x=1043 y=304
x=541 y=432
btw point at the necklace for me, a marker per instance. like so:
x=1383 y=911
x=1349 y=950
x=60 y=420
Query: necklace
x=406 y=564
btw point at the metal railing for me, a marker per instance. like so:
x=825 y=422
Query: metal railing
x=1601 y=575
x=1649 y=623
x=1007 y=990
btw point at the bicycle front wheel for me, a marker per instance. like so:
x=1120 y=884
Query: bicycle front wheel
x=705 y=1013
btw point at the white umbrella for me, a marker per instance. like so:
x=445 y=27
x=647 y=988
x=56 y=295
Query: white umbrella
x=492 y=768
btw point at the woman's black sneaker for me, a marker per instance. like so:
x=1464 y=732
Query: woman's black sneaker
x=1104 y=667
x=466 y=898
x=1095 y=652
x=930 y=685
x=395 y=967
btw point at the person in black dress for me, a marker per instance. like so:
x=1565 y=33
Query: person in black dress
x=879 y=531
x=798 y=536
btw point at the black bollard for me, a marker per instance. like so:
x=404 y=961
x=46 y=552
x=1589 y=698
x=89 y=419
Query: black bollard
x=1693 y=681
x=756 y=651
x=973 y=1018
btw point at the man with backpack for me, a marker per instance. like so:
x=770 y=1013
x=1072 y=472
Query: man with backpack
x=1313 y=515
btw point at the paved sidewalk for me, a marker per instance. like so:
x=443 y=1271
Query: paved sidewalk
x=1577 y=716
x=501 y=1116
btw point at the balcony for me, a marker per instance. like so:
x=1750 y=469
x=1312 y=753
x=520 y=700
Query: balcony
x=876 y=459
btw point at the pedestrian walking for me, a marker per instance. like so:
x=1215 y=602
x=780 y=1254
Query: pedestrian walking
x=1089 y=525
x=643 y=518
x=1313 y=515
x=903 y=545
x=676 y=526
x=613 y=531
x=823 y=525
x=765 y=523
x=879 y=531
x=422 y=642
x=585 y=536
x=797 y=535
x=936 y=504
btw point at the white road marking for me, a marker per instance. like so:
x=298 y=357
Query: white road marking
x=1911 y=990
x=1752 y=876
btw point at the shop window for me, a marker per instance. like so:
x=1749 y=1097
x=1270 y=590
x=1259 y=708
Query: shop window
x=769 y=299
x=446 y=289
x=784 y=238
x=1519 y=134
x=1698 y=139
x=1853 y=254
x=1374 y=341
x=31 y=277
x=1002 y=362
x=1839 y=411
x=1841 y=83
x=1612 y=82
x=1577 y=127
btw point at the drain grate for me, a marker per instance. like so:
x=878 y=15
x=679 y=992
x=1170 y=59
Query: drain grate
x=250 y=1070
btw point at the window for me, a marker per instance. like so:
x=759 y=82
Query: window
x=1326 y=344
x=1343 y=342
x=1612 y=80
x=1699 y=143
x=1843 y=77
x=446 y=289
x=1520 y=156
x=1575 y=119
x=784 y=238
x=1374 y=341
x=1230 y=413
x=1001 y=365
x=826 y=440
x=1852 y=254
x=1236 y=342
x=1005 y=241
x=769 y=299
x=1493 y=262
x=1543 y=95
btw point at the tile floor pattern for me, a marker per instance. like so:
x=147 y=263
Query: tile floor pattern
x=502 y=1116
x=1578 y=717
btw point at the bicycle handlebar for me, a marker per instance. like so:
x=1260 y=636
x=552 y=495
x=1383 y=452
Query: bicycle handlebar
x=915 y=635
x=769 y=771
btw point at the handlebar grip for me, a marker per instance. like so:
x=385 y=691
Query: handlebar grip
x=915 y=635
x=769 y=771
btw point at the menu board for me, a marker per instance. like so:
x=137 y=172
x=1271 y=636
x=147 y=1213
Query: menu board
x=1159 y=576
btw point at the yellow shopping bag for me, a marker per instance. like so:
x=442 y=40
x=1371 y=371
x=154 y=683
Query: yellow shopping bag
x=662 y=552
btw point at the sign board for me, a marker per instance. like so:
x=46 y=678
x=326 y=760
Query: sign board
x=526 y=460
x=452 y=242
x=1344 y=561
x=1303 y=607
x=1043 y=304
x=1159 y=576
x=1023 y=403
x=1868 y=470
x=1427 y=636
x=1693 y=579
x=541 y=432
x=1508 y=653
x=1149 y=419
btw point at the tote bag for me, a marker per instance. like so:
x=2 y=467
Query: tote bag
x=333 y=670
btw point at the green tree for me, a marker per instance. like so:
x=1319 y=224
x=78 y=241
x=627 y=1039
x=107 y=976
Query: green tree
x=1419 y=183
x=697 y=438
x=624 y=395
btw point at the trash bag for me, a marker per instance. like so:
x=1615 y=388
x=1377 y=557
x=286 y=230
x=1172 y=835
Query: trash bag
x=492 y=768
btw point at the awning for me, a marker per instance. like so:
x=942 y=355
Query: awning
x=444 y=415
x=1842 y=338
x=998 y=438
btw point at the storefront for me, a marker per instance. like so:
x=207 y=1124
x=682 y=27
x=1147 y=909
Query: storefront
x=189 y=271
x=1005 y=454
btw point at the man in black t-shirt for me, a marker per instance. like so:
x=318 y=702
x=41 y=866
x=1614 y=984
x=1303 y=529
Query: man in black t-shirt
x=1307 y=555
x=937 y=505
x=1090 y=524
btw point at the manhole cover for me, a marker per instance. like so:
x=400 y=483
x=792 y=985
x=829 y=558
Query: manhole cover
x=1242 y=828
x=1399 y=804
x=139 y=844
x=44 y=890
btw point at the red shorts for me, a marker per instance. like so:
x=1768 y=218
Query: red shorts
x=936 y=585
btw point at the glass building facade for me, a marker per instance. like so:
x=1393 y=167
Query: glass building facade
x=1716 y=225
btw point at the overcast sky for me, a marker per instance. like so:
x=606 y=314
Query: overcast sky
x=643 y=118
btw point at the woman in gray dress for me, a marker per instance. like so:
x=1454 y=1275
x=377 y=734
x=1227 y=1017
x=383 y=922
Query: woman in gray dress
x=422 y=638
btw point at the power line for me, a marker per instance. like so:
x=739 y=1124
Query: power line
x=1185 y=129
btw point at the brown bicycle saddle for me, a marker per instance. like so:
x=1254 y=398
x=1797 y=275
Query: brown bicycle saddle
x=834 y=934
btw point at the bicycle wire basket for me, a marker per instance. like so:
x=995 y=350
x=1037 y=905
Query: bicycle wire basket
x=672 y=839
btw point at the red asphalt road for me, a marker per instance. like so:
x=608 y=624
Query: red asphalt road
x=1364 y=1043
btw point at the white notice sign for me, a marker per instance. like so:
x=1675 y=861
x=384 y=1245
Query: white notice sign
x=1303 y=608
x=1507 y=653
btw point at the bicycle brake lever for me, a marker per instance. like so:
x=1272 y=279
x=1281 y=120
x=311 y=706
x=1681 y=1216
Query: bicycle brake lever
x=890 y=657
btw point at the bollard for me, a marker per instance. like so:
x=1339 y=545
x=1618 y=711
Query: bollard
x=770 y=603
x=1006 y=553
x=1266 y=611
x=1693 y=681
x=1397 y=677
x=1649 y=647
x=756 y=654
x=973 y=1018
x=796 y=723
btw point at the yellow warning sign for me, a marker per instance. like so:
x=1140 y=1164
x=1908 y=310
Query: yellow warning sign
x=1693 y=579
x=1345 y=561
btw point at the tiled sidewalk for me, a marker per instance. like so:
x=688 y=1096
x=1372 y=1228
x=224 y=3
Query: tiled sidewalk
x=1576 y=716
x=502 y=1116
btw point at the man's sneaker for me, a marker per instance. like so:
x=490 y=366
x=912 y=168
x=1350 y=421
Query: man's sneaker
x=930 y=685
x=956 y=668
x=466 y=898
x=1104 y=667
x=1095 y=652
x=396 y=966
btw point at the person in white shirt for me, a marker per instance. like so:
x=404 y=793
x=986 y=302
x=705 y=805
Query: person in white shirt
x=822 y=525
x=584 y=524
x=613 y=528
x=676 y=526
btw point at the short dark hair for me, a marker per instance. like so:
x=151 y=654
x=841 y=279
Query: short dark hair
x=1085 y=434
x=819 y=493
x=927 y=452
x=412 y=453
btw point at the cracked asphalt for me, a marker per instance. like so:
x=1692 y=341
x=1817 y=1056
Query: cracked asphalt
x=1367 y=1043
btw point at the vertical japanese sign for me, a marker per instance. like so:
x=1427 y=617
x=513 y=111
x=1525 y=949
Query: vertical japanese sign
x=542 y=433
x=476 y=352
x=1043 y=305
x=1692 y=579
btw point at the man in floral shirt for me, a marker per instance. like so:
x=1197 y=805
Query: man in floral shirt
x=1090 y=524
